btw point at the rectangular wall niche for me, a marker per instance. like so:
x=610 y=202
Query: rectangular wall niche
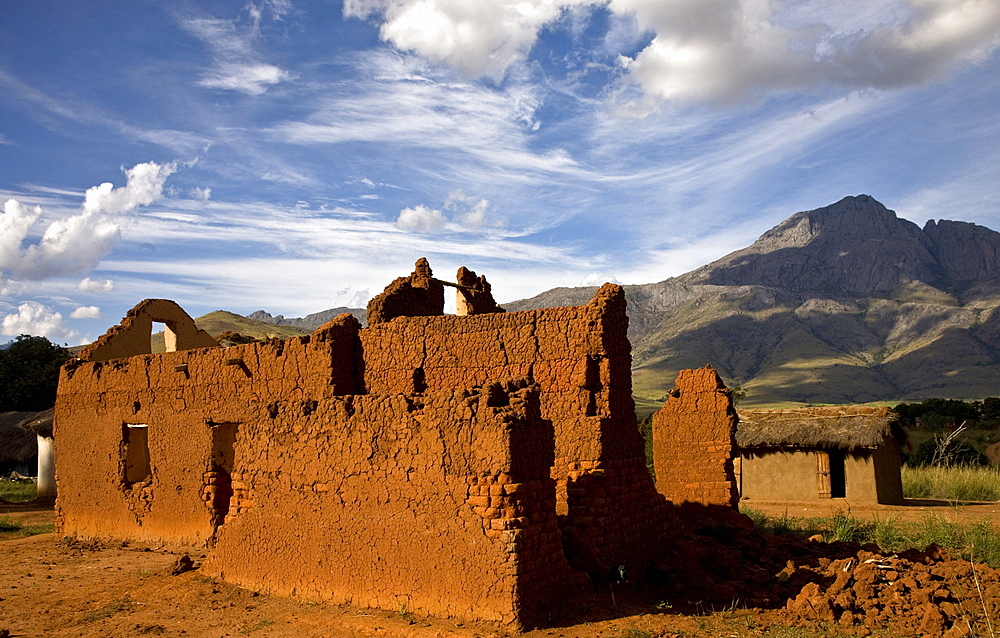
x=135 y=441
x=219 y=481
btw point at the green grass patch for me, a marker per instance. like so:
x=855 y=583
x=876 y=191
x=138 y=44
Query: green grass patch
x=17 y=491
x=7 y=524
x=12 y=528
x=952 y=483
x=978 y=541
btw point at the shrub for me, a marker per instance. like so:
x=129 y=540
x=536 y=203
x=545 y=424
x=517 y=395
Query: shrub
x=29 y=373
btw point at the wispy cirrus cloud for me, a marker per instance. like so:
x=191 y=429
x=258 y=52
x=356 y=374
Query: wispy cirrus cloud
x=79 y=111
x=398 y=100
x=237 y=66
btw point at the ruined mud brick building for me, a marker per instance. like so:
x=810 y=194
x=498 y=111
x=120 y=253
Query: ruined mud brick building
x=478 y=465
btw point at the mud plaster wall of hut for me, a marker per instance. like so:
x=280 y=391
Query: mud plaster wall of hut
x=820 y=453
x=795 y=474
x=421 y=461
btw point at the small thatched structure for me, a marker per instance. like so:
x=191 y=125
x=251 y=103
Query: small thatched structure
x=19 y=432
x=803 y=454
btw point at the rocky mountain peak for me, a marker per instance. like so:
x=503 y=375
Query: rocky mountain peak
x=964 y=250
x=857 y=247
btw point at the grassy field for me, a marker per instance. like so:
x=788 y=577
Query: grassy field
x=979 y=541
x=10 y=528
x=952 y=484
x=16 y=492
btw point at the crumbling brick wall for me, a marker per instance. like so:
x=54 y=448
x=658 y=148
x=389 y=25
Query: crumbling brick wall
x=179 y=397
x=694 y=435
x=580 y=358
x=473 y=466
x=439 y=503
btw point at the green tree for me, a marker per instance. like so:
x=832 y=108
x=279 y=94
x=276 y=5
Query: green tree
x=29 y=374
x=991 y=408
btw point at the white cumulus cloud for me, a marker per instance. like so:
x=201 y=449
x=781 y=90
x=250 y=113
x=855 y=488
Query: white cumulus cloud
x=86 y=312
x=726 y=50
x=93 y=285
x=203 y=194
x=598 y=278
x=470 y=213
x=32 y=318
x=480 y=38
x=714 y=50
x=77 y=242
x=466 y=214
x=143 y=186
x=421 y=219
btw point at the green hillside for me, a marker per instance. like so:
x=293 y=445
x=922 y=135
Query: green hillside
x=220 y=321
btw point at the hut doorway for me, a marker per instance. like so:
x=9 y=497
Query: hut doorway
x=830 y=474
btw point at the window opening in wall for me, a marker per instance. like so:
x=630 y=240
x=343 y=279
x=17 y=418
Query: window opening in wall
x=219 y=483
x=157 y=337
x=135 y=439
x=592 y=383
x=838 y=480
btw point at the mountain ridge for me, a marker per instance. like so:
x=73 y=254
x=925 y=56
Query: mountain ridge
x=843 y=304
x=846 y=303
x=860 y=247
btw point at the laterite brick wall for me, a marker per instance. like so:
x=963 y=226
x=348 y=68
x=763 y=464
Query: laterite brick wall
x=475 y=466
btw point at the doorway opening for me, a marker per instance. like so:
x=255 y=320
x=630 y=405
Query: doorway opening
x=838 y=479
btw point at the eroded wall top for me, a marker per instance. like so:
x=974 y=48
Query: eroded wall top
x=132 y=336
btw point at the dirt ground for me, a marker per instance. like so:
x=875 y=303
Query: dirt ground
x=51 y=587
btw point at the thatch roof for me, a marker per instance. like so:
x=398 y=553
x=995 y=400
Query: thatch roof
x=842 y=427
x=18 y=430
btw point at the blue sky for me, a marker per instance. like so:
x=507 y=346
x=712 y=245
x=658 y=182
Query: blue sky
x=296 y=155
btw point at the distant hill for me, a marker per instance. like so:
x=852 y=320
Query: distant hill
x=842 y=304
x=215 y=323
x=309 y=322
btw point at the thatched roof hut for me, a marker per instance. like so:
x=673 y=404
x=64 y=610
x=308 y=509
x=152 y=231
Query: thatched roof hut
x=850 y=452
x=19 y=438
x=828 y=428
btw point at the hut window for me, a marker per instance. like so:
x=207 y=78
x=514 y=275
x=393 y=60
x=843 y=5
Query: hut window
x=135 y=440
